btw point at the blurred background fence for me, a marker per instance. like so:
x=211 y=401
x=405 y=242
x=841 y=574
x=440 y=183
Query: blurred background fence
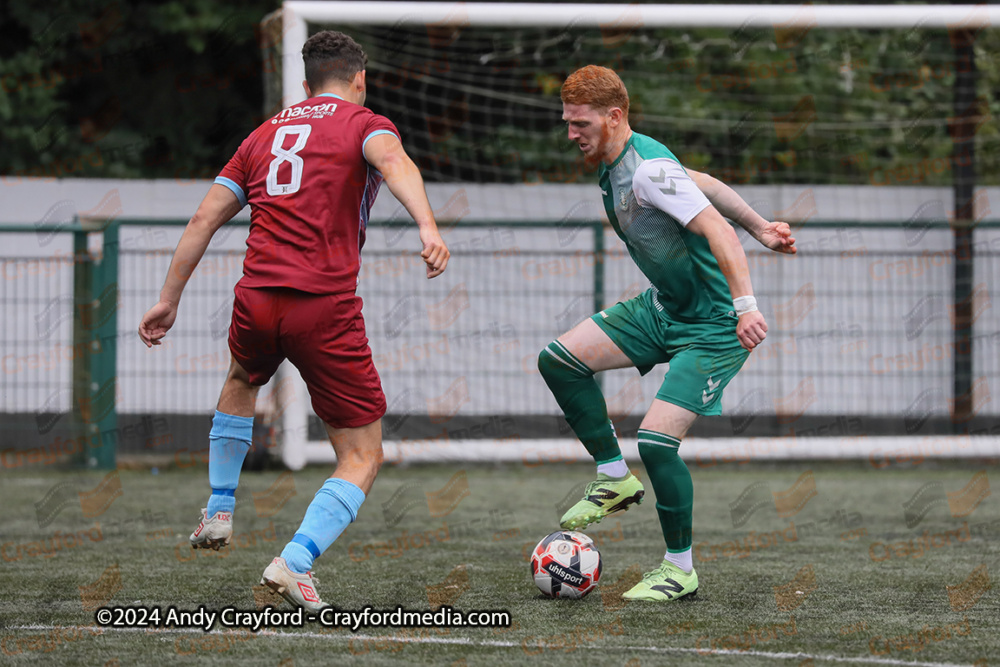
x=883 y=324
x=862 y=336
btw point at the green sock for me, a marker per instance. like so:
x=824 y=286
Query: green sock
x=672 y=485
x=581 y=400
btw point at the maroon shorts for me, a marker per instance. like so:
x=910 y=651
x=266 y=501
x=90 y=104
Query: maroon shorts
x=323 y=335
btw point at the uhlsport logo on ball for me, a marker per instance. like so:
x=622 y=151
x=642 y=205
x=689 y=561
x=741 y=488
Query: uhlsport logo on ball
x=566 y=564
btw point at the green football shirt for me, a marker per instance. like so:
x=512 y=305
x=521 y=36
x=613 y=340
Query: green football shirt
x=650 y=199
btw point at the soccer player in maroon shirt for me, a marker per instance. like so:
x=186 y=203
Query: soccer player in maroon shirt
x=310 y=175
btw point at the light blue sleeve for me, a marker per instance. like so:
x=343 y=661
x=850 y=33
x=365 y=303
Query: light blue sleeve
x=375 y=134
x=232 y=185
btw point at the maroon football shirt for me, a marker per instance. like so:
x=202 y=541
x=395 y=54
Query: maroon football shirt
x=310 y=191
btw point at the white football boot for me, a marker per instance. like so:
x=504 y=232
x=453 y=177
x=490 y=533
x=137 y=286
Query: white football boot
x=213 y=533
x=298 y=589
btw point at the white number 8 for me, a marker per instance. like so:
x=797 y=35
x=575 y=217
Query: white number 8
x=287 y=155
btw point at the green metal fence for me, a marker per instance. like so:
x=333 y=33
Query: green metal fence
x=40 y=292
x=862 y=328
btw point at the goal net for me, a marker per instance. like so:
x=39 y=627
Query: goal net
x=844 y=121
x=763 y=100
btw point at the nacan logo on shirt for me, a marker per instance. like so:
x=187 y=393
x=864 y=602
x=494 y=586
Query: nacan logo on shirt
x=317 y=110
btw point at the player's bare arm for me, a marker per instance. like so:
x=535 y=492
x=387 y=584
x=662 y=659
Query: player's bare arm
x=385 y=153
x=774 y=235
x=218 y=207
x=751 y=328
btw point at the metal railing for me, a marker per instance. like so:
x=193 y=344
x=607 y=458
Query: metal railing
x=862 y=323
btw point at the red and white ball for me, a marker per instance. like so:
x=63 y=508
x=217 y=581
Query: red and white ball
x=566 y=564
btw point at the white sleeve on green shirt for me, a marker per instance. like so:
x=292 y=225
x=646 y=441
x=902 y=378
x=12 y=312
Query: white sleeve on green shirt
x=662 y=183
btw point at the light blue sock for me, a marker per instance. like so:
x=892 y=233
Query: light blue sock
x=335 y=505
x=229 y=442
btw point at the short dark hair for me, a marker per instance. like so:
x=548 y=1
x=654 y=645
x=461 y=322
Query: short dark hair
x=332 y=55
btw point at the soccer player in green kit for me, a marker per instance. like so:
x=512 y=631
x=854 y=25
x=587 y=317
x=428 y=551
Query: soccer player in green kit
x=699 y=315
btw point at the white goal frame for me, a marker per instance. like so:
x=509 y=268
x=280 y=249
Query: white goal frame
x=297 y=450
x=296 y=15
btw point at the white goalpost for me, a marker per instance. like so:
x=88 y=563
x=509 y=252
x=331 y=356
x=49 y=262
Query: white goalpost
x=296 y=17
x=513 y=202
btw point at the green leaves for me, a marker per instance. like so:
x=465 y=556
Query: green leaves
x=118 y=90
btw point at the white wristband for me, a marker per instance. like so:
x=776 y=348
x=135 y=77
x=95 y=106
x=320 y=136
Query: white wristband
x=744 y=304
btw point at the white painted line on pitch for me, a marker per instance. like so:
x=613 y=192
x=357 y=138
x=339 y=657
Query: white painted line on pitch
x=466 y=641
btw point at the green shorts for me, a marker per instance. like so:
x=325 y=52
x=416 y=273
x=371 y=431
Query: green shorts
x=703 y=356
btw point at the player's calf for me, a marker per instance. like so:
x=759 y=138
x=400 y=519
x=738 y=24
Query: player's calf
x=229 y=442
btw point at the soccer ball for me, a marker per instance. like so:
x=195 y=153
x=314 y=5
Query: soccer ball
x=566 y=564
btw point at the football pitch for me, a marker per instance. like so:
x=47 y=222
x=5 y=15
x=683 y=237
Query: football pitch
x=806 y=563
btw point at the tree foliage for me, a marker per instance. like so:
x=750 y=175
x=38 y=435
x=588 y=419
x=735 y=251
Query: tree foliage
x=169 y=89
x=754 y=106
x=152 y=90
